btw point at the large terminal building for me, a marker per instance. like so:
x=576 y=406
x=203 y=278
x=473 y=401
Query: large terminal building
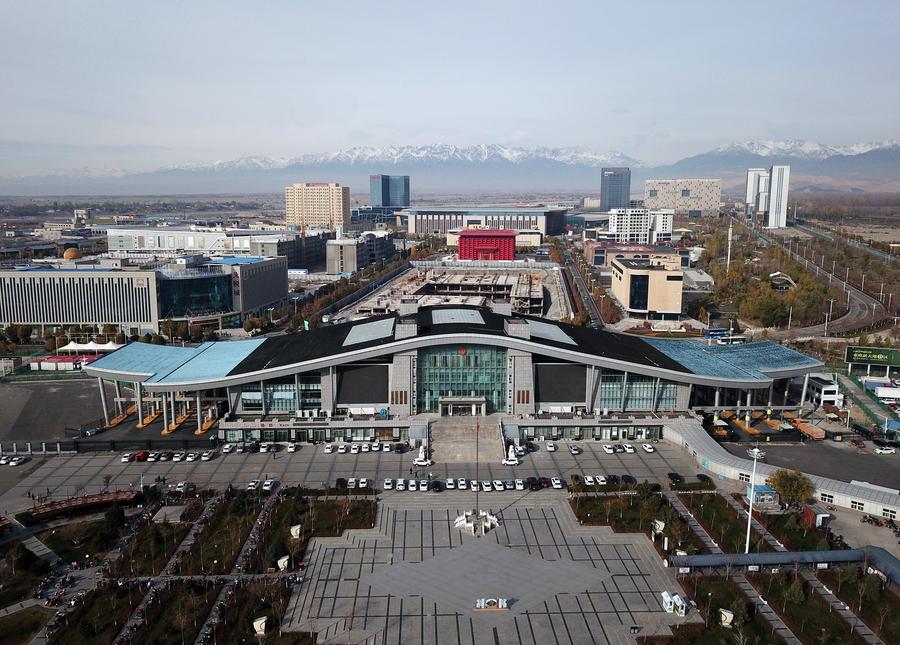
x=381 y=376
x=398 y=376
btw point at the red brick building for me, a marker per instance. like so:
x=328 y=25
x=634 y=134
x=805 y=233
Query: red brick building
x=487 y=244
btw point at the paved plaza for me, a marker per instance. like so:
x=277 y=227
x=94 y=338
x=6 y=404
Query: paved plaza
x=414 y=578
x=70 y=474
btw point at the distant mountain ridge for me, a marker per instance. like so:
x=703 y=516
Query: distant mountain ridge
x=445 y=168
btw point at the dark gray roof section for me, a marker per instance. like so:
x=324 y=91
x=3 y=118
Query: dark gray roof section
x=873 y=556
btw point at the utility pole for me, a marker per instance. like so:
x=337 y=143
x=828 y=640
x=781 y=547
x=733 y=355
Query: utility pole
x=790 y=315
x=730 y=235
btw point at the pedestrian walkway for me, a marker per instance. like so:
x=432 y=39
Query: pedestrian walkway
x=861 y=398
x=833 y=601
x=762 y=608
x=41 y=550
x=19 y=606
x=247 y=549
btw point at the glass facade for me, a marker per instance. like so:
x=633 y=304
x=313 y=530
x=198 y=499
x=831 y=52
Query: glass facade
x=615 y=188
x=639 y=392
x=200 y=294
x=638 y=295
x=461 y=371
x=389 y=191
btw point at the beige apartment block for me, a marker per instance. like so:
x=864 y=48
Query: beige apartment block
x=698 y=197
x=319 y=205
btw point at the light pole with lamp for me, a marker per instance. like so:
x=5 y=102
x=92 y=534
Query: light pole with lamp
x=756 y=454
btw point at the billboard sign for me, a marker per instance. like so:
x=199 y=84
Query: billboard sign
x=873 y=356
x=715 y=332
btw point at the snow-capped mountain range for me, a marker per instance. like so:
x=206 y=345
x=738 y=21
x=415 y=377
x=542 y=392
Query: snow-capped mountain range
x=800 y=149
x=433 y=153
x=446 y=168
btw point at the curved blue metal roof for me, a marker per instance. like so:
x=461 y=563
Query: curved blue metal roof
x=750 y=360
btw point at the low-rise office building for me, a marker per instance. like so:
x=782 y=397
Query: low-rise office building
x=217 y=293
x=651 y=289
x=350 y=254
x=637 y=226
x=601 y=254
x=439 y=221
x=303 y=250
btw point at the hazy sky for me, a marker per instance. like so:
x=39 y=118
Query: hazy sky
x=133 y=84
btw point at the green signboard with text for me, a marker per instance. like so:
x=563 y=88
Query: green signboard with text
x=873 y=356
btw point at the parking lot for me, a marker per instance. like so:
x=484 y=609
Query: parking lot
x=837 y=460
x=67 y=475
x=414 y=578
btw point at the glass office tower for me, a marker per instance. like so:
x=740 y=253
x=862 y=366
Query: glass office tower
x=452 y=374
x=615 y=188
x=389 y=191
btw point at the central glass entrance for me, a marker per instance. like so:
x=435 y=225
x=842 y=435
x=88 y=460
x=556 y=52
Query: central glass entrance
x=461 y=375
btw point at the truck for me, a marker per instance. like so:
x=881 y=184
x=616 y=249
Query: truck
x=884 y=392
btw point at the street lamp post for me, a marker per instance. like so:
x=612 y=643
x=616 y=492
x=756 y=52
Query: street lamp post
x=756 y=454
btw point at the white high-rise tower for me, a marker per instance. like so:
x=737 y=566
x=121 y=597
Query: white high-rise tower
x=779 y=178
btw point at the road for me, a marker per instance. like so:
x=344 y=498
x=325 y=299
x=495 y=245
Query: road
x=881 y=255
x=860 y=311
x=583 y=291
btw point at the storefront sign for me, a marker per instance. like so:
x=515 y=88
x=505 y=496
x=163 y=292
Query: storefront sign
x=873 y=356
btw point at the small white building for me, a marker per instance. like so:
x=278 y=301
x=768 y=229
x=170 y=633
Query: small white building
x=821 y=390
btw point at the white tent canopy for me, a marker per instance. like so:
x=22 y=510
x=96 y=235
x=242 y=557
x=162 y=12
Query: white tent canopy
x=90 y=347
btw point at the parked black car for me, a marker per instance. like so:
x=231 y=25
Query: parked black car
x=675 y=478
x=340 y=482
x=704 y=478
x=628 y=479
x=533 y=483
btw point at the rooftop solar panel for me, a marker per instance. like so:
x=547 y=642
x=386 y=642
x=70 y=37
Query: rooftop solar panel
x=549 y=332
x=369 y=331
x=456 y=317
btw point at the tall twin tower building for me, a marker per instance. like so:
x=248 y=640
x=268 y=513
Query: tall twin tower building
x=767 y=194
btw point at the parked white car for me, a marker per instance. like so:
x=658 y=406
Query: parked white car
x=329 y=449
x=227 y=448
x=511 y=461
x=18 y=461
x=608 y=449
x=647 y=447
x=551 y=447
x=179 y=456
x=556 y=482
x=354 y=449
x=630 y=449
x=292 y=447
x=462 y=484
x=388 y=484
x=885 y=450
x=589 y=480
x=191 y=456
x=207 y=455
x=253 y=485
x=269 y=485
x=520 y=484
x=400 y=485
x=412 y=485
x=419 y=461
x=342 y=449
x=451 y=483
x=127 y=457
x=363 y=483
x=498 y=485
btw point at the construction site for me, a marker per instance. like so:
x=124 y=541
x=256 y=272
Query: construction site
x=528 y=290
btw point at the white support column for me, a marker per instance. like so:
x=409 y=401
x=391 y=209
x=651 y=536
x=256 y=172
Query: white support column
x=297 y=405
x=262 y=392
x=140 y=401
x=624 y=390
x=769 y=400
x=118 y=405
x=230 y=403
x=172 y=406
x=655 y=395
x=165 y=410
x=749 y=404
x=805 y=386
x=716 y=404
x=103 y=401
x=199 y=414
